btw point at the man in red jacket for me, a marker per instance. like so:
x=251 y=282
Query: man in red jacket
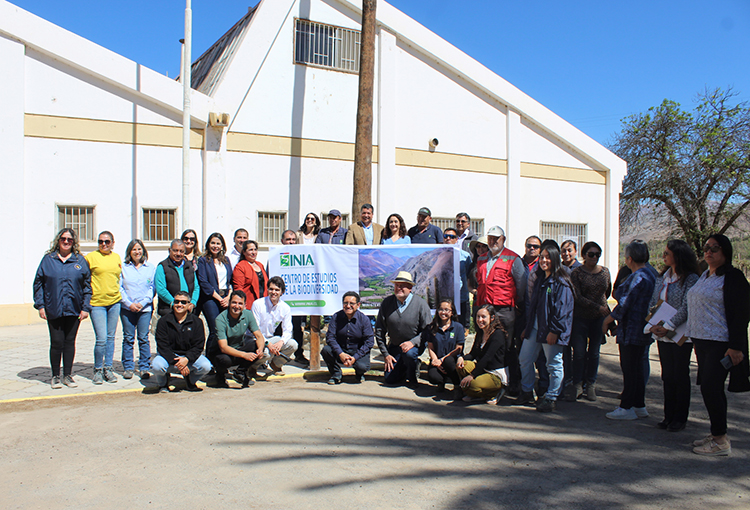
x=501 y=282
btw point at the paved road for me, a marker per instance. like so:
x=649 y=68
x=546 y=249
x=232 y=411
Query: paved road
x=301 y=444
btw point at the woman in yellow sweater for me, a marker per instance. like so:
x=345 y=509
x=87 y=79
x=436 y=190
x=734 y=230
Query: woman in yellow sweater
x=106 y=268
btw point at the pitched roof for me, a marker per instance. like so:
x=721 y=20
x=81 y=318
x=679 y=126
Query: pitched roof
x=208 y=70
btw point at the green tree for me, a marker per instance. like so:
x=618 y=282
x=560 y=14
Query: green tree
x=693 y=164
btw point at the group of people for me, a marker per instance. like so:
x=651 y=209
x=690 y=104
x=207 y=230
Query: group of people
x=540 y=319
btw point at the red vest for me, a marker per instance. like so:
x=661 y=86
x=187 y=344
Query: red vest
x=498 y=288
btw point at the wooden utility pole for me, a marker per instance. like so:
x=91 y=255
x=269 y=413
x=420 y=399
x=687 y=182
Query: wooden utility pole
x=363 y=142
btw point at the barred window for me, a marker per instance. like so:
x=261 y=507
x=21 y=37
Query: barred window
x=159 y=224
x=270 y=226
x=327 y=46
x=560 y=232
x=477 y=225
x=79 y=218
x=324 y=220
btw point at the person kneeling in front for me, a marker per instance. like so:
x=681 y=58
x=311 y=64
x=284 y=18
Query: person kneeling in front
x=349 y=341
x=274 y=317
x=239 y=342
x=401 y=319
x=179 y=343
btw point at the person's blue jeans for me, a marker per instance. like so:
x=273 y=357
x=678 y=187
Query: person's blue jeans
x=530 y=350
x=405 y=366
x=104 y=319
x=136 y=323
x=160 y=366
x=586 y=341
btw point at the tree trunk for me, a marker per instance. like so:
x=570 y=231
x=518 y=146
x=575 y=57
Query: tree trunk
x=363 y=144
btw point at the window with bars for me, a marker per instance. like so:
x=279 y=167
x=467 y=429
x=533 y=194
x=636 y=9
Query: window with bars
x=270 y=226
x=159 y=224
x=560 y=232
x=326 y=46
x=477 y=225
x=324 y=220
x=79 y=218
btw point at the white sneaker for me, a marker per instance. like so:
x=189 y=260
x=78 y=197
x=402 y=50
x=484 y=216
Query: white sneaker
x=641 y=412
x=622 y=414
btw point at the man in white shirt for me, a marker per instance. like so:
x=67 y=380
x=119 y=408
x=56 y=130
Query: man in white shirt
x=240 y=236
x=274 y=318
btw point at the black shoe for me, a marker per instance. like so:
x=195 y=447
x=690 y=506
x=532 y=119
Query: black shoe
x=664 y=424
x=524 y=398
x=145 y=374
x=221 y=381
x=302 y=360
x=676 y=426
x=334 y=380
x=545 y=405
x=192 y=386
x=240 y=376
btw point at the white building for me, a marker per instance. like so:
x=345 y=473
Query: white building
x=93 y=139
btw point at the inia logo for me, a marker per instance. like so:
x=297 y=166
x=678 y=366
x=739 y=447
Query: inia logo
x=289 y=260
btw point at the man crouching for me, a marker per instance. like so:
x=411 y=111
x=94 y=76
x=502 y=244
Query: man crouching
x=179 y=343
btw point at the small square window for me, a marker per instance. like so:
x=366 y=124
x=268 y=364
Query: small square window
x=79 y=218
x=270 y=226
x=159 y=224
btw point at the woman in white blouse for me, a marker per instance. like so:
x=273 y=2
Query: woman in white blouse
x=718 y=314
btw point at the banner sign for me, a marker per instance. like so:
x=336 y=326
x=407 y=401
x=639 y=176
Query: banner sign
x=317 y=276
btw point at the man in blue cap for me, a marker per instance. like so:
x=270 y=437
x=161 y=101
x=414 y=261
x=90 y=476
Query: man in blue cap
x=334 y=233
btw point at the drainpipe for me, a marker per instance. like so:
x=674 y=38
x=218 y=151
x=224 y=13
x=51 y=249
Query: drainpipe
x=186 y=81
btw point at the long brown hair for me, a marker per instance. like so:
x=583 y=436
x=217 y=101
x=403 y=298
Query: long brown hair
x=207 y=255
x=55 y=244
x=435 y=324
x=495 y=322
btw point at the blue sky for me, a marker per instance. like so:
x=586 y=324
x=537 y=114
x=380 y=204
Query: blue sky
x=591 y=62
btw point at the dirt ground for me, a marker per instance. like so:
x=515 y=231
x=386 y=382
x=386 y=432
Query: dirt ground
x=301 y=444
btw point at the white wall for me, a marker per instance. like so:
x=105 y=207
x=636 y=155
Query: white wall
x=434 y=104
x=14 y=286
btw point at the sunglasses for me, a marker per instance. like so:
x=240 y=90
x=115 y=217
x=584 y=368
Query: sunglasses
x=448 y=236
x=105 y=241
x=533 y=246
x=191 y=239
x=713 y=248
x=181 y=301
x=594 y=254
x=66 y=239
x=461 y=221
x=309 y=219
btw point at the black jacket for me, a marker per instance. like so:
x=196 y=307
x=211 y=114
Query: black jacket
x=737 y=310
x=491 y=356
x=175 y=339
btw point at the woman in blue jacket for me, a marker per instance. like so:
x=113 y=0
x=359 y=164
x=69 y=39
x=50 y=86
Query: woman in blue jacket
x=549 y=326
x=62 y=294
x=214 y=278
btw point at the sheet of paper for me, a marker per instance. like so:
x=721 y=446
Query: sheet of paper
x=662 y=315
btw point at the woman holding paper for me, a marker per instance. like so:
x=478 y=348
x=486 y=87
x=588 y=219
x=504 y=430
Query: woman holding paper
x=718 y=314
x=671 y=289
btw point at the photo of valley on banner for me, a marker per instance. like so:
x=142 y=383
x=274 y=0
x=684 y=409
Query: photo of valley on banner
x=317 y=276
x=432 y=271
